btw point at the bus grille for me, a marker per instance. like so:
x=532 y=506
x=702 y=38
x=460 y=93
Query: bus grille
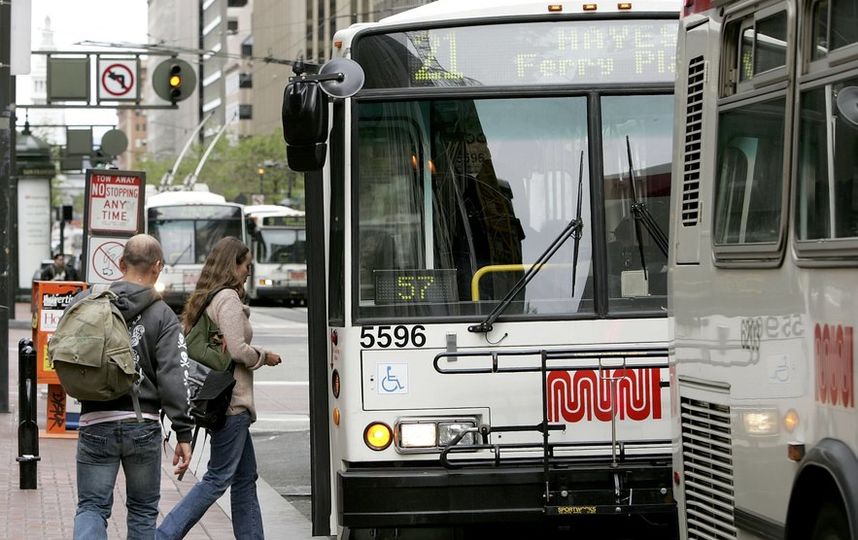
x=693 y=134
x=708 y=470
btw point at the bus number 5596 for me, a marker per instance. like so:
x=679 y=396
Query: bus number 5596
x=399 y=336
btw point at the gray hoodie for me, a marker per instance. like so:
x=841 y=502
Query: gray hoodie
x=158 y=346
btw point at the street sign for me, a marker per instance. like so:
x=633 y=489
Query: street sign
x=115 y=202
x=103 y=259
x=113 y=213
x=117 y=80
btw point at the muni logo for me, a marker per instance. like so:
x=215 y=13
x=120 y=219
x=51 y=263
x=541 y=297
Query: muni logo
x=583 y=395
x=834 y=365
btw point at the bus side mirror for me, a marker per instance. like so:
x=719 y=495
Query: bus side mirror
x=305 y=125
x=305 y=110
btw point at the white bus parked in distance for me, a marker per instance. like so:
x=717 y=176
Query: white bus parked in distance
x=763 y=282
x=278 y=243
x=495 y=343
x=188 y=224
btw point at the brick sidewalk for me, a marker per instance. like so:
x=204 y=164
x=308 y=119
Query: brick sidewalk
x=48 y=511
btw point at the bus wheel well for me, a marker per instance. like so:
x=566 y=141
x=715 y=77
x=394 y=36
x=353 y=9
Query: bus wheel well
x=813 y=491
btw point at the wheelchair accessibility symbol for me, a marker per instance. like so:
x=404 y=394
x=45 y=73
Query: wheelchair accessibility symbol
x=392 y=378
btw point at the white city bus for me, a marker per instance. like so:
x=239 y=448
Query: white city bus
x=188 y=224
x=495 y=335
x=278 y=243
x=762 y=270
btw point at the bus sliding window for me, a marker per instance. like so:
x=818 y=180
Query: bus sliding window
x=827 y=199
x=749 y=186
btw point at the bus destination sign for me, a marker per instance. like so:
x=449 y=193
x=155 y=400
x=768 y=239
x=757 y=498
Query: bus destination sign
x=538 y=53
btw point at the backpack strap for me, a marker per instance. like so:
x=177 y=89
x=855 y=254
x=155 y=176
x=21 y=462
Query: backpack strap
x=99 y=288
x=208 y=301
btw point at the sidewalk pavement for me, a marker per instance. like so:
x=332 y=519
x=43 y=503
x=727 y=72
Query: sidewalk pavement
x=48 y=511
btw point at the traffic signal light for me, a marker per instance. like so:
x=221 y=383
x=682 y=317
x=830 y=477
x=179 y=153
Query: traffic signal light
x=174 y=80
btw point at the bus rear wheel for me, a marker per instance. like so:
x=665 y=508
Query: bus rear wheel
x=831 y=523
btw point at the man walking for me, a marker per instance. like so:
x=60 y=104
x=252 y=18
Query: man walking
x=110 y=433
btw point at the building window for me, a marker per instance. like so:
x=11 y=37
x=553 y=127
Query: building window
x=245 y=80
x=247 y=47
x=245 y=112
x=232 y=26
x=236 y=3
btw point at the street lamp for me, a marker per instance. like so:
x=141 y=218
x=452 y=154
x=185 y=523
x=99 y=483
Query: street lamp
x=261 y=172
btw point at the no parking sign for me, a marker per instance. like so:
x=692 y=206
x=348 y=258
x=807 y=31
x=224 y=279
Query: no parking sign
x=113 y=214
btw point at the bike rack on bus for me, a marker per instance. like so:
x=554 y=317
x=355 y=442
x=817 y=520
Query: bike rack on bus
x=597 y=359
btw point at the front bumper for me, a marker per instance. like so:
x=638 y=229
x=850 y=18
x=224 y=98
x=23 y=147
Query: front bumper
x=427 y=496
x=281 y=292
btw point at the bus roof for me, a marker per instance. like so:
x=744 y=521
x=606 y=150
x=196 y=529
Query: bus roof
x=271 y=210
x=174 y=198
x=451 y=10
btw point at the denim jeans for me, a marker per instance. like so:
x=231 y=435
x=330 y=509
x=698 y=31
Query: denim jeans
x=232 y=464
x=101 y=448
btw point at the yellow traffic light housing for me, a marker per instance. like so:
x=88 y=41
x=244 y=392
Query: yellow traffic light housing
x=174 y=80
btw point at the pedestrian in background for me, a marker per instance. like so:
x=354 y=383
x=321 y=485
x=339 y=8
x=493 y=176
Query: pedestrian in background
x=232 y=461
x=59 y=271
x=110 y=433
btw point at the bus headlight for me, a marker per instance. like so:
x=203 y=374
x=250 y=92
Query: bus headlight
x=418 y=435
x=447 y=431
x=433 y=434
x=263 y=282
x=160 y=287
x=760 y=422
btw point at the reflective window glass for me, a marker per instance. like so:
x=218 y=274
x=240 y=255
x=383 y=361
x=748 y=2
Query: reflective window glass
x=636 y=138
x=750 y=180
x=827 y=198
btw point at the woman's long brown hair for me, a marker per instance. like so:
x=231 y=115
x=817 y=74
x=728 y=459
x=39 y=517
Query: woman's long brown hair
x=220 y=270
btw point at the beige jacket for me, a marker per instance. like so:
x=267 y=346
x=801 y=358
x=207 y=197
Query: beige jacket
x=232 y=318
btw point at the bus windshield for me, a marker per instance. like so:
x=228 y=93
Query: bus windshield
x=282 y=246
x=458 y=197
x=188 y=233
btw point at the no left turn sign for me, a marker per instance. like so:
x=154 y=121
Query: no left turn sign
x=117 y=80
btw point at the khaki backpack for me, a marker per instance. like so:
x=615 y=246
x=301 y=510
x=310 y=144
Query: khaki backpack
x=91 y=350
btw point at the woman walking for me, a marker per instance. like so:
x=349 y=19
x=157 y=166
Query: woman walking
x=232 y=463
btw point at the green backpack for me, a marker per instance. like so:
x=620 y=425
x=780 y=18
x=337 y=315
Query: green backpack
x=91 y=350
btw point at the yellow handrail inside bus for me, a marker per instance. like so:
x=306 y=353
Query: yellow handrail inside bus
x=475 y=281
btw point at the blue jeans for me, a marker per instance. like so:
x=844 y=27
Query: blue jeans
x=232 y=464
x=101 y=448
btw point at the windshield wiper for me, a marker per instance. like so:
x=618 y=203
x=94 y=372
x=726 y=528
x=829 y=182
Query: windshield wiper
x=182 y=254
x=643 y=216
x=572 y=229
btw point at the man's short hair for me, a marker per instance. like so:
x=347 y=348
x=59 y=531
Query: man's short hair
x=142 y=251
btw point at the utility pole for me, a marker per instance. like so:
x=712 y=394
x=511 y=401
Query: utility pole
x=7 y=149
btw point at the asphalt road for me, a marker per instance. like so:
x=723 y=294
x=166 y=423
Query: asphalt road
x=282 y=438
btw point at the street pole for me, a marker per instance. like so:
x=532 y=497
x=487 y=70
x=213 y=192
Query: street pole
x=7 y=148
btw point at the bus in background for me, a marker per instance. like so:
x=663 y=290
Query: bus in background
x=188 y=224
x=278 y=243
x=763 y=270
x=495 y=342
